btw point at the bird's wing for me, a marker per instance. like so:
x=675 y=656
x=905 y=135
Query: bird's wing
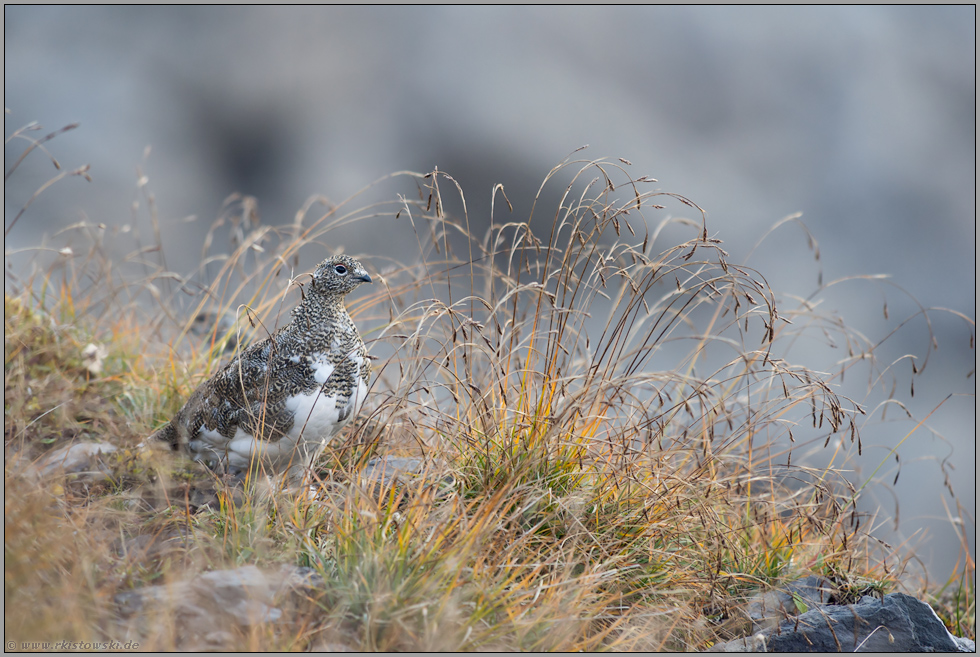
x=248 y=393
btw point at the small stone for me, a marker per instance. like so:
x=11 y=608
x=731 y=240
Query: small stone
x=92 y=357
x=213 y=606
x=965 y=645
x=332 y=647
x=386 y=471
x=754 y=643
x=82 y=460
x=768 y=609
x=219 y=640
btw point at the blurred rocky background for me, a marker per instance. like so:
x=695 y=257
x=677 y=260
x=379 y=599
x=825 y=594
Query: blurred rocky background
x=861 y=118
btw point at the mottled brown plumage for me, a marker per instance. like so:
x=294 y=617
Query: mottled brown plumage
x=281 y=399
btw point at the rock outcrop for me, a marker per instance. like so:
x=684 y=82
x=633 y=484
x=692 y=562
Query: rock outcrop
x=895 y=623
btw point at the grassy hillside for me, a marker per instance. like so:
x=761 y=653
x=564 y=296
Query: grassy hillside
x=605 y=419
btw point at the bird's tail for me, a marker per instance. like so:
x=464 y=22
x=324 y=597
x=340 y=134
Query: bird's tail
x=165 y=434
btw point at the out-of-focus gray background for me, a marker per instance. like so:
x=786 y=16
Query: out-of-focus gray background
x=863 y=119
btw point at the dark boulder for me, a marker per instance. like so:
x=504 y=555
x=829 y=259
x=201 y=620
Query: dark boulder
x=895 y=623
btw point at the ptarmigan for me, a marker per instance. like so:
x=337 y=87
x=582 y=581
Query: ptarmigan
x=280 y=400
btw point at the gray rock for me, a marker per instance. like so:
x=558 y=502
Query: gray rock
x=210 y=607
x=965 y=645
x=768 y=609
x=332 y=647
x=754 y=643
x=246 y=594
x=83 y=461
x=387 y=471
x=218 y=640
x=897 y=623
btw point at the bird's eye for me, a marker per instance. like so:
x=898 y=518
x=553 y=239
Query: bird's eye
x=340 y=269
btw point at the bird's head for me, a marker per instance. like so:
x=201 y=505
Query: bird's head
x=338 y=275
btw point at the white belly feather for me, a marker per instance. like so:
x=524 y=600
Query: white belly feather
x=317 y=419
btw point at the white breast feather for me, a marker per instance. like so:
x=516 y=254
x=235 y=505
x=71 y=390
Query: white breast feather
x=322 y=368
x=316 y=416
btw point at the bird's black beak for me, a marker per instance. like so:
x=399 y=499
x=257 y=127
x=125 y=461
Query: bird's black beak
x=363 y=276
